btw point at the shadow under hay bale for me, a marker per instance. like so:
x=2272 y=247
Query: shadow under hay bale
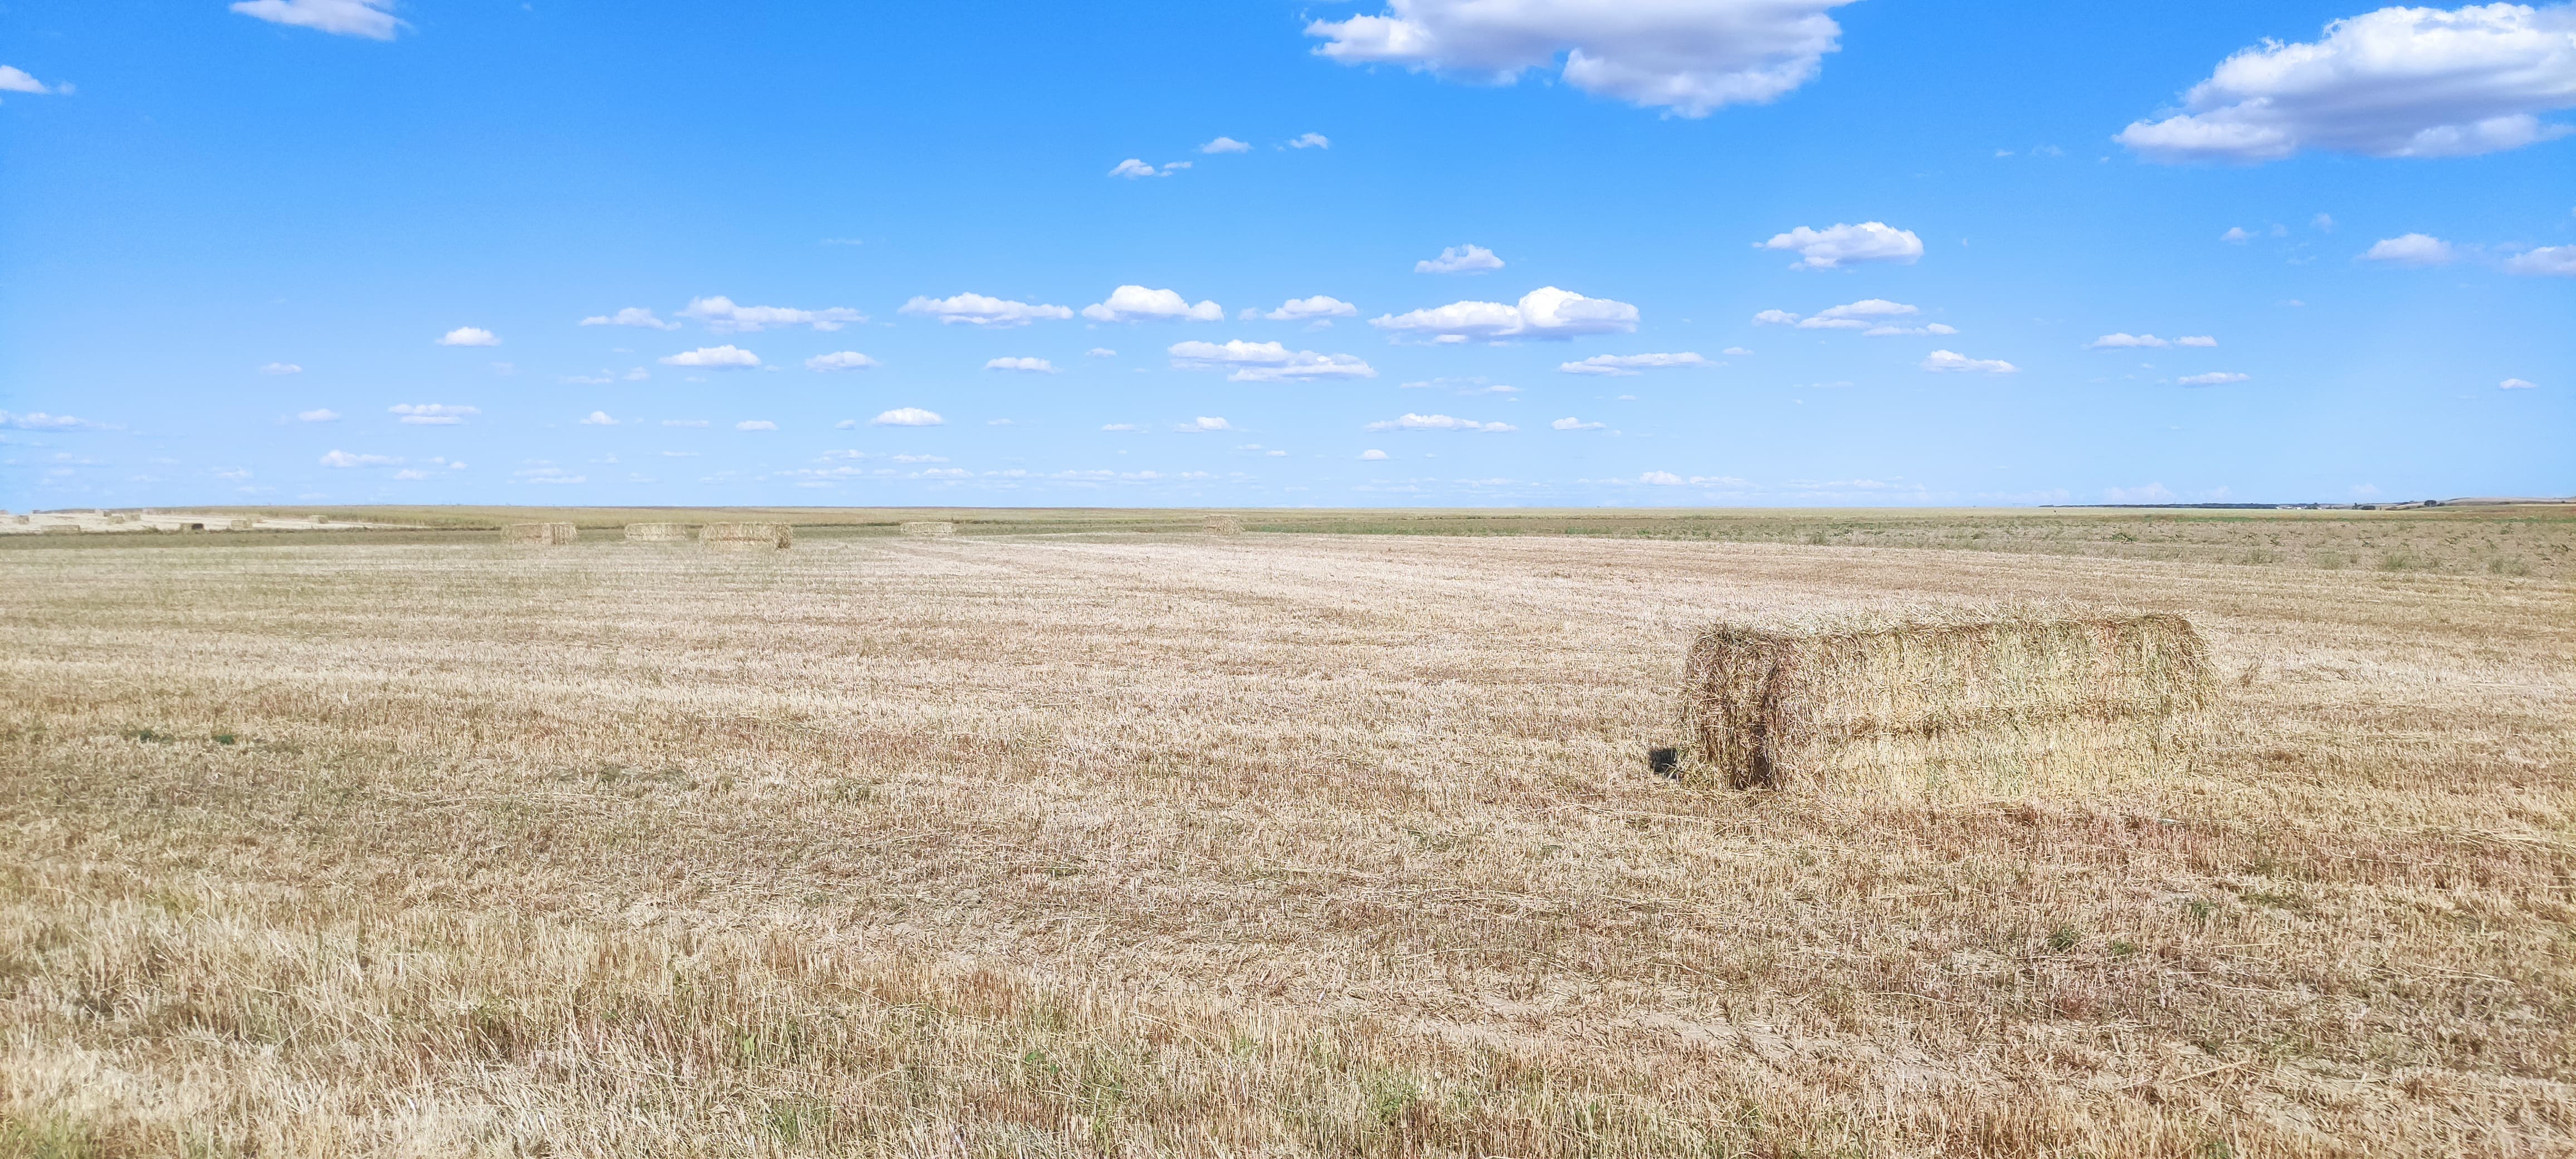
x=539 y=534
x=1947 y=702
x=927 y=527
x=657 y=532
x=1224 y=525
x=747 y=536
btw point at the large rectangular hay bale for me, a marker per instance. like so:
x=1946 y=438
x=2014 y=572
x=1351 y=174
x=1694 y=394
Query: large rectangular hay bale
x=747 y=536
x=658 y=532
x=1943 y=701
x=928 y=527
x=1224 y=525
x=539 y=534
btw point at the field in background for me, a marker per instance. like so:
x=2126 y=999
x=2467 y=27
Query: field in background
x=2534 y=540
x=1089 y=841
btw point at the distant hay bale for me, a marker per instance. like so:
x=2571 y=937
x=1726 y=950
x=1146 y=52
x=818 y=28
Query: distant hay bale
x=747 y=536
x=1939 y=702
x=930 y=527
x=1224 y=525
x=539 y=534
x=191 y=525
x=657 y=532
x=244 y=525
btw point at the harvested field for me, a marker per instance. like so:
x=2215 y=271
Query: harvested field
x=659 y=532
x=927 y=528
x=1173 y=845
x=1224 y=525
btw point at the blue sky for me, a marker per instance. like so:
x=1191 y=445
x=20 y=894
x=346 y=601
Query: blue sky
x=233 y=238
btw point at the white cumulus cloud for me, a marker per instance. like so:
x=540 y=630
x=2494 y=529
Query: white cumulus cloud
x=2557 y=261
x=1415 y=422
x=1310 y=141
x=755 y=425
x=337 y=458
x=1132 y=168
x=1688 y=57
x=1943 y=329
x=1460 y=259
x=468 y=336
x=432 y=414
x=1138 y=304
x=373 y=19
x=1372 y=455
x=2125 y=341
x=631 y=316
x=2398 y=82
x=40 y=421
x=1100 y=352
x=16 y=80
x=598 y=418
x=324 y=415
x=906 y=416
x=724 y=317
x=2413 y=249
x=1838 y=245
x=1266 y=362
x=726 y=357
x=1951 y=360
x=1311 y=309
x=2195 y=340
x=840 y=360
x=1546 y=312
x=1023 y=365
x=281 y=368
x=1225 y=145
x=1570 y=423
x=1203 y=424
x=2517 y=384
x=978 y=310
x=1860 y=315
x=1626 y=365
x=2213 y=378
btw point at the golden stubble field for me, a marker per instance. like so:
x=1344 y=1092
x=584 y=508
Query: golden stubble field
x=1288 y=844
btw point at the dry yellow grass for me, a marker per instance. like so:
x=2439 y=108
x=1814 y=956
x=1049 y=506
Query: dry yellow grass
x=927 y=527
x=1950 y=701
x=658 y=532
x=1224 y=525
x=1319 y=845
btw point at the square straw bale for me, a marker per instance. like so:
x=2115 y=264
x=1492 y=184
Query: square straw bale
x=748 y=536
x=539 y=534
x=1947 y=701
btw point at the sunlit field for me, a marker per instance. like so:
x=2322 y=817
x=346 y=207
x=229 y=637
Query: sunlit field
x=1082 y=834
